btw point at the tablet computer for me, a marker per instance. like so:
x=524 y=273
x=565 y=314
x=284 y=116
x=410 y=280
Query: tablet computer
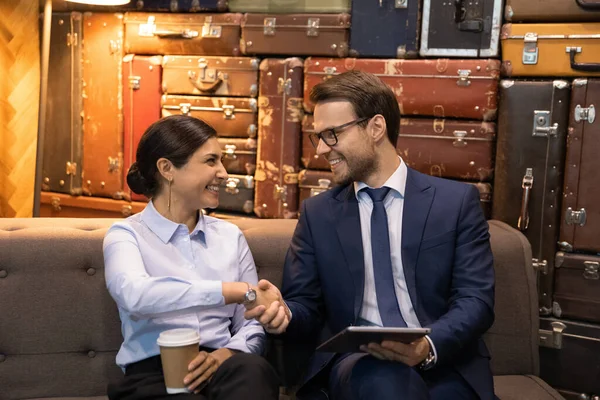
x=351 y=338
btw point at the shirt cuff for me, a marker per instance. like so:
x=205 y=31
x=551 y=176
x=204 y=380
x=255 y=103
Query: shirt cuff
x=433 y=348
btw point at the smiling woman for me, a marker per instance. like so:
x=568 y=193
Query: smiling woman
x=171 y=267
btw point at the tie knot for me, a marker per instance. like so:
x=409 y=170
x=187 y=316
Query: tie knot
x=377 y=195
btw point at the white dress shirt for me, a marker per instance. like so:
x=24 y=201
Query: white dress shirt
x=394 y=206
x=162 y=277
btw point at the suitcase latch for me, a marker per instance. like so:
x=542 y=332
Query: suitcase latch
x=56 y=203
x=530 y=49
x=591 y=270
x=460 y=139
x=113 y=164
x=134 y=82
x=228 y=110
x=540 y=265
x=463 y=77
x=231 y=186
x=71 y=168
x=284 y=84
x=71 y=39
x=542 y=126
x=126 y=211
x=269 y=26
x=185 y=108
x=527 y=185
x=585 y=114
x=399 y=4
x=324 y=185
x=230 y=151
x=552 y=339
x=209 y=30
x=573 y=217
x=313 y=27
x=280 y=193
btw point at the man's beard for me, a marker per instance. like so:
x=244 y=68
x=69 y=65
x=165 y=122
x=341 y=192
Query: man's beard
x=358 y=169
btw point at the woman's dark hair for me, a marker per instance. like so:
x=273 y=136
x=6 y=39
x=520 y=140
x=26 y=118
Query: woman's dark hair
x=175 y=138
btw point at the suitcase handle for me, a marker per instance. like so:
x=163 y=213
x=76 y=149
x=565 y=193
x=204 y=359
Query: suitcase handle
x=527 y=184
x=587 y=67
x=588 y=4
x=184 y=34
x=204 y=87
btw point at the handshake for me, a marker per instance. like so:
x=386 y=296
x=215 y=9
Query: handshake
x=269 y=308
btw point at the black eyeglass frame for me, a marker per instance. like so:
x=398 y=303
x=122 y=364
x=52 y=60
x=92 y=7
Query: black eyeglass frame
x=333 y=132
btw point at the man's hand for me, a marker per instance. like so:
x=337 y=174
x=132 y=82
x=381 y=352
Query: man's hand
x=409 y=354
x=203 y=367
x=270 y=309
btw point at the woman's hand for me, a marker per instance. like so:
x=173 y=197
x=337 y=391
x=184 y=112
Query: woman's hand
x=203 y=367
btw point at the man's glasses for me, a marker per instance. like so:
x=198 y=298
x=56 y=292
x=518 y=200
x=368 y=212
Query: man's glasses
x=329 y=136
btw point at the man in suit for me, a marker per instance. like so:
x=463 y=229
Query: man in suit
x=388 y=246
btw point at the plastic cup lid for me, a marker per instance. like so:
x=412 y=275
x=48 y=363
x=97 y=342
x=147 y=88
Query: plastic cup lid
x=178 y=337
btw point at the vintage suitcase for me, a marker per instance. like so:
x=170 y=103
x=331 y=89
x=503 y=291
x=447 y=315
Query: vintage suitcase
x=551 y=49
x=309 y=157
x=551 y=10
x=460 y=28
x=296 y=34
x=442 y=88
x=102 y=105
x=486 y=194
x=210 y=76
x=456 y=149
x=569 y=356
x=580 y=222
x=178 y=5
x=529 y=168
x=237 y=194
x=312 y=183
x=66 y=206
x=289 y=6
x=239 y=155
x=279 y=131
x=62 y=152
x=388 y=28
x=230 y=116
x=141 y=107
x=183 y=34
x=577 y=286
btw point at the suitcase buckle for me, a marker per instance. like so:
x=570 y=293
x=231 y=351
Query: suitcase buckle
x=591 y=269
x=460 y=139
x=313 y=27
x=530 y=49
x=463 y=79
x=541 y=124
x=573 y=217
x=269 y=26
x=585 y=114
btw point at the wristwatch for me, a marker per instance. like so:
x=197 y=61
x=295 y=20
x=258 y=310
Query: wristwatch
x=427 y=363
x=250 y=296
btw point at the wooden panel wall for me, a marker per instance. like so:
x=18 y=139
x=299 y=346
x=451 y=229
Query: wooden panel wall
x=19 y=98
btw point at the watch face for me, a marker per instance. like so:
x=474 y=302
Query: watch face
x=251 y=296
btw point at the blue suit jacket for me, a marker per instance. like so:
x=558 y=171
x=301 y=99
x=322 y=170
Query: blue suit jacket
x=447 y=263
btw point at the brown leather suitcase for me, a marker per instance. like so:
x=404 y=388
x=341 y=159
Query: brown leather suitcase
x=210 y=76
x=312 y=183
x=237 y=194
x=456 y=149
x=183 y=34
x=580 y=222
x=62 y=153
x=577 y=287
x=239 y=155
x=279 y=132
x=65 y=206
x=529 y=168
x=296 y=34
x=441 y=88
x=551 y=10
x=141 y=107
x=102 y=105
x=486 y=194
x=569 y=356
x=309 y=158
x=230 y=116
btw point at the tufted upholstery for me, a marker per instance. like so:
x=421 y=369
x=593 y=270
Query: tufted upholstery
x=59 y=328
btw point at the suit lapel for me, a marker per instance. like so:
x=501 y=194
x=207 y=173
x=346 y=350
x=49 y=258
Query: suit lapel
x=418 y=198
x=345 y=210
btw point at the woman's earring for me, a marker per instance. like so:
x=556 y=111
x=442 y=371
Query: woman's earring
x=169 y=199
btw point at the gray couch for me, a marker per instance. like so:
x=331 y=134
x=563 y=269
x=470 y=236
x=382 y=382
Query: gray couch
x=60 y=330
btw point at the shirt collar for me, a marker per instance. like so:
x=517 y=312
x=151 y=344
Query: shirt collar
x=397 y=181
x=165 y=228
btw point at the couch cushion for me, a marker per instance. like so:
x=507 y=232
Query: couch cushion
x=519 y=387
x=513 y=339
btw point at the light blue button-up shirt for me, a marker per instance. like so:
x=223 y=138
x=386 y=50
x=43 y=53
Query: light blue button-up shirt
x=163 y=277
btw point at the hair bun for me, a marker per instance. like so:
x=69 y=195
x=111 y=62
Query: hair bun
x=136 y=181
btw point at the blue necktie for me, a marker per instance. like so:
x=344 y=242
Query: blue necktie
x=382 y=261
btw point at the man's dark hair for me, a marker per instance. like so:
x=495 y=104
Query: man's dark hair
x=367 y=94
x=176 y=138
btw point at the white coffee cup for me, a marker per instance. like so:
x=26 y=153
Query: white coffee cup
x=178 y=347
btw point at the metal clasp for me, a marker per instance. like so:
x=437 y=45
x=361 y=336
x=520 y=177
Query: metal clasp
x=591 y=270
x=185 y=108
x=113 y=164
x=585 y=114
x=324 y=185
x=313 y=27
x=228 y=110
x=542 y=126
x=231 y=186
x=401 y=4
x=230 y=151
x=280 y=193
x=530 y=49
x=134 y=82
x=209 y=30
x=71 y=168
x=575 y=217
x=540 y=265
x=269 y=26
x=463 y=79
x=552 y=339
x=56 y=204
x=460 y=139
x=284 y=85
